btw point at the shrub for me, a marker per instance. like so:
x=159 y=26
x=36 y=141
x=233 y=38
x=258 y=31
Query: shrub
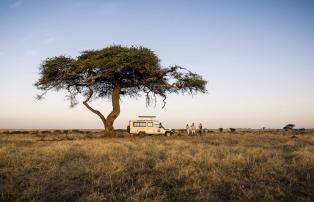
x=232 y=130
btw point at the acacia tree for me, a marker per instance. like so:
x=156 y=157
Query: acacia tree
x=113 y=72
x=289 y=127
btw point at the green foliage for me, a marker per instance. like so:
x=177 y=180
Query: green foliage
x=135 y=70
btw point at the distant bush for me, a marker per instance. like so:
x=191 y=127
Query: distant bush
x=221 y=130
x=232 y=130
x=18 y=132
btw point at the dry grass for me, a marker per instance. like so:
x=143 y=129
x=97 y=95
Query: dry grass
x=215 y=167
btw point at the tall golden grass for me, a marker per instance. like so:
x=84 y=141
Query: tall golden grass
x=263 y=166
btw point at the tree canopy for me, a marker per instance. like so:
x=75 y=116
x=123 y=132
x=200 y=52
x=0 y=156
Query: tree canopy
x=289 y=126
x=113 y=72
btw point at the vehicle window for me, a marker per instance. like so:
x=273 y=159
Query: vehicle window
x=149 y=124
x=139 y=124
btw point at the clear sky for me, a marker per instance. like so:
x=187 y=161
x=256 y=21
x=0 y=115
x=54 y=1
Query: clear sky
x=257 y=56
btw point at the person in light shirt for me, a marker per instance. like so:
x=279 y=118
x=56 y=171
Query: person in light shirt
x=193 y=128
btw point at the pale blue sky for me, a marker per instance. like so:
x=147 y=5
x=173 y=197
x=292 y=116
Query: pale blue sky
x=257 y=55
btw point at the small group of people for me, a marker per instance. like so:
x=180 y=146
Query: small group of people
x=192 y=129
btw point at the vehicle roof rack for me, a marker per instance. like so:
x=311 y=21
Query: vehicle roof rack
x=150 y=117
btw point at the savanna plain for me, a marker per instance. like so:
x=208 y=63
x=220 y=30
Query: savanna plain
x=76 y=165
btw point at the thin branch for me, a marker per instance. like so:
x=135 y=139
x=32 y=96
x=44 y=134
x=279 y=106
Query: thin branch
x=90 y=94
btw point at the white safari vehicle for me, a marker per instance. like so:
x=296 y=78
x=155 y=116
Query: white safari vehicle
x=147 y=125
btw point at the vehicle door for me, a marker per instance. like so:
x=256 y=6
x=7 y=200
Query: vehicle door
x=157 y=128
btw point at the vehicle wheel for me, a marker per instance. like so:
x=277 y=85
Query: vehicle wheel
x=141 y=134
x=168 y=134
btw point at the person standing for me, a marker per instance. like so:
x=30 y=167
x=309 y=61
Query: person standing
x=193 y=128
x=200 y=128
x=187 y=127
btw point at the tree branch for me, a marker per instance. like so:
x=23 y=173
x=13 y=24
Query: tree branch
x=90 y=94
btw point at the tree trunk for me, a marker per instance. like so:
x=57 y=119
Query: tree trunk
x=107 y=122
x=115 y=109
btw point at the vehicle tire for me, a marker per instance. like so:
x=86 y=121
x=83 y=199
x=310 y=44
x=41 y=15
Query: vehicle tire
x=168 y=134
x=141 y=134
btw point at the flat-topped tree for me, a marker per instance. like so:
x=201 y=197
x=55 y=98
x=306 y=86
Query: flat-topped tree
x=113 y=72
